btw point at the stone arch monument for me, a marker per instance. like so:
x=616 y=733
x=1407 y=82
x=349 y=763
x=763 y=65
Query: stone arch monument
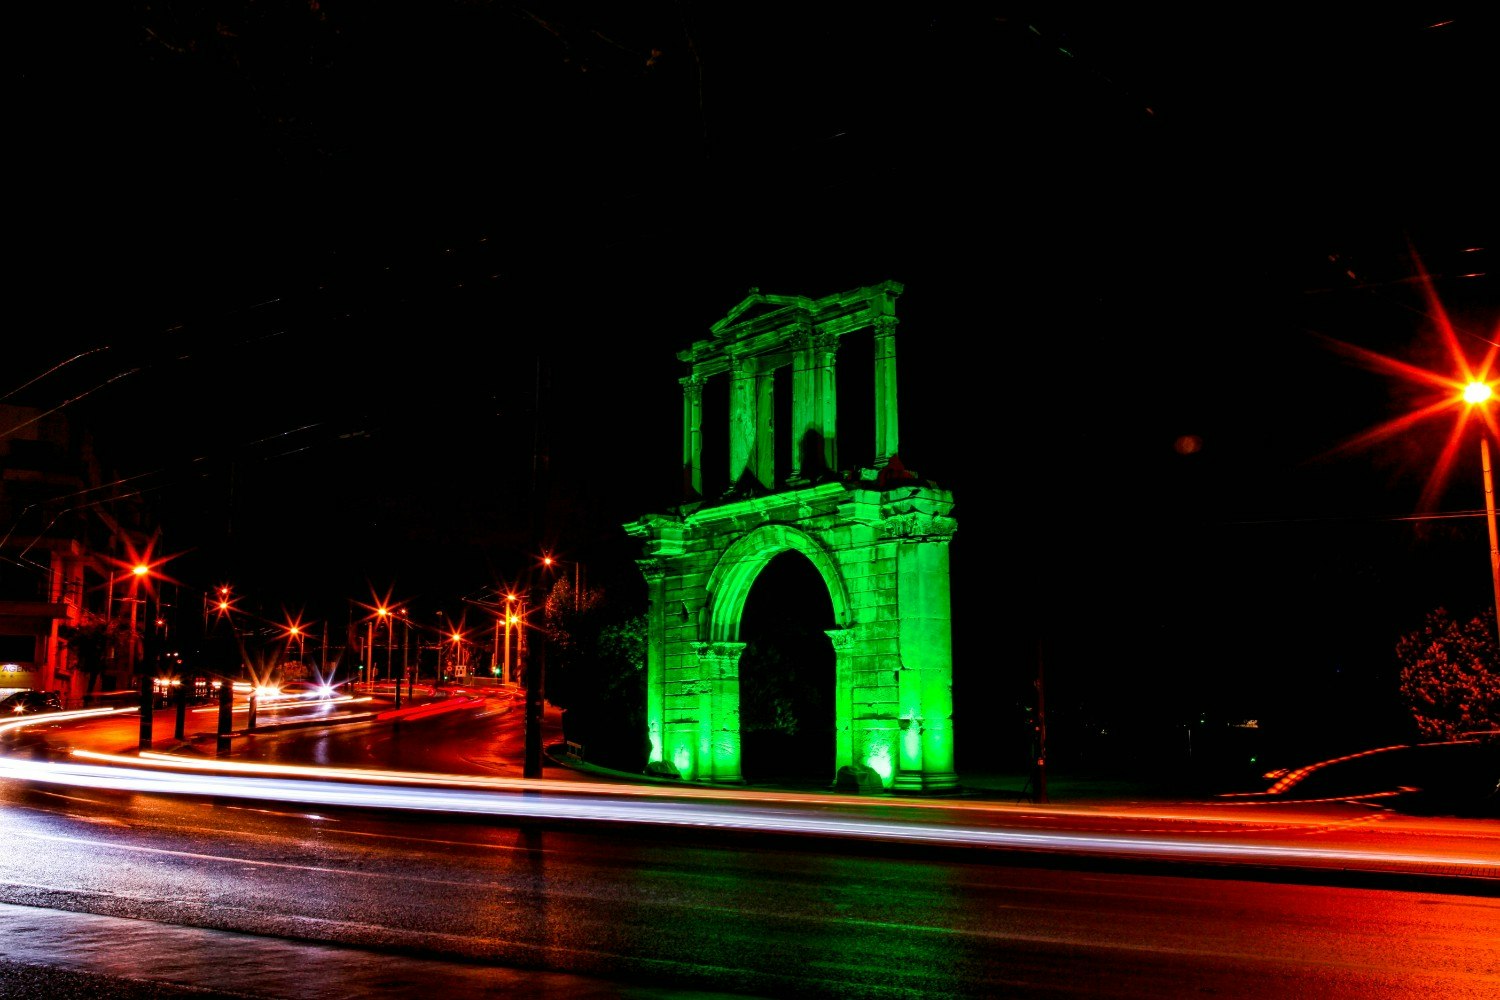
x=877 y=535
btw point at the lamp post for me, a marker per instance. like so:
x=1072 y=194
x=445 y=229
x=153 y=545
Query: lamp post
x=138 y=572
x=147 y=688
x=369 y=667
x=294 y=631
x=1476 y=394
x=458 y=652
x=509 y=614
x=388 y=616
x=551 y=561
x=408 y=674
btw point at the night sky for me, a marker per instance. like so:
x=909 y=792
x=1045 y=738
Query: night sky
x=337 y=279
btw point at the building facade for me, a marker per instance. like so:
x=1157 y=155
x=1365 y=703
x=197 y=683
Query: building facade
x=71 y=614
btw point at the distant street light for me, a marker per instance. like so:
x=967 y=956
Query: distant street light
x=551 y=561
x=294 y=631
x=508 y=618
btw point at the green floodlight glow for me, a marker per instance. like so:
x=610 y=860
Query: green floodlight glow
x=876 y=534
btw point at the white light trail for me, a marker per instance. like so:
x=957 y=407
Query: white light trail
x=563 y=801
x=46 y=718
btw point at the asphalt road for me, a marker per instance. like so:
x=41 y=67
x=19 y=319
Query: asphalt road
x=127 y=891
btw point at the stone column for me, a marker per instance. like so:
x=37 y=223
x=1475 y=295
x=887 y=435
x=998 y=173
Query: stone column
x=802 y=402
x=692 y=437
x=741 y=419
x=843 y=696
x=925 y=681
x=765 y=428
x=656 y=644
x=887 y=433
x=719 y=676
x=825 y=382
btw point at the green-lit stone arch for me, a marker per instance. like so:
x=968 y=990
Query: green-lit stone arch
x=729 y=585
x=878 y=535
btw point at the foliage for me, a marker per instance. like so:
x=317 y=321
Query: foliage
x=596 y=673
x=781 y=679
x=1448 y=679
x=92 y=640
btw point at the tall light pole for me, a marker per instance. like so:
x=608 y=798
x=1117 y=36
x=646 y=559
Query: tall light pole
x=1477 y=394
x=295 y=632
x=510 y=619
x=138 y=572
x=550 y=561
x=384 y=615
x=387 y=615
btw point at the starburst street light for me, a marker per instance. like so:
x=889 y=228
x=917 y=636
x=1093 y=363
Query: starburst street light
x=142 y=572
x=1466 y=393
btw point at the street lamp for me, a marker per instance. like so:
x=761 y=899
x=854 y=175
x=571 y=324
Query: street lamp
x=1477 y=394
x=138 y=572
x=507 y=621
x=551 y=561
x=385 y=615
x=294 y=631
x=458 y=652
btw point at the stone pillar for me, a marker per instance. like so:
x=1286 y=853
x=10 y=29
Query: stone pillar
x=692 y=437
x=803 y=397
x=741 y=419
x=925 y=682
x=843 y=696
x=719 y=677
x=887 y=432
x=825 y=381
x=656 y=644
x=765 y=428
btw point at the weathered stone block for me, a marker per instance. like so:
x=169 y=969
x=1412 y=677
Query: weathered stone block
x=858 y=778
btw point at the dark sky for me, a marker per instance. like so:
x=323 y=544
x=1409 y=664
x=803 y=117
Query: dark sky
x=346 y=272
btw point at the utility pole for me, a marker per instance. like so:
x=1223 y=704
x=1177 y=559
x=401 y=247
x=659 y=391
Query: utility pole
x=536 y=674
x=536 y=666
x=1041 y=731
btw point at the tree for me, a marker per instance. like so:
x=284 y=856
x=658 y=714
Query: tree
x=596 y=673
x=91 y=641
x=1448 y=677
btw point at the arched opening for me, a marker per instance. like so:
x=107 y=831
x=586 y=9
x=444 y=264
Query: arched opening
x=787 y=675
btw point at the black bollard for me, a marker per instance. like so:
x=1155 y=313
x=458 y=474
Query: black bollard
x=536 y=674
x=182 y=699
x=148 y=709
x=251 y=703
x=226 y=713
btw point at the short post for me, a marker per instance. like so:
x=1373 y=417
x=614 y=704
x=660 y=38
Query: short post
x=251 y=704
x=536 y=673
x=182 y=701
x=148 y=709
x=411 y=685
x=226 y=714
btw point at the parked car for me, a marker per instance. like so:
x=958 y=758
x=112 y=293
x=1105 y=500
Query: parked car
x=30 y=702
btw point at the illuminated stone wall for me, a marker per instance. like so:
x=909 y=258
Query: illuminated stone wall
x=878 y=537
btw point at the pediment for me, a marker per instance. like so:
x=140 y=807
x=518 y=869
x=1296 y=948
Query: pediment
x=754 y=306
